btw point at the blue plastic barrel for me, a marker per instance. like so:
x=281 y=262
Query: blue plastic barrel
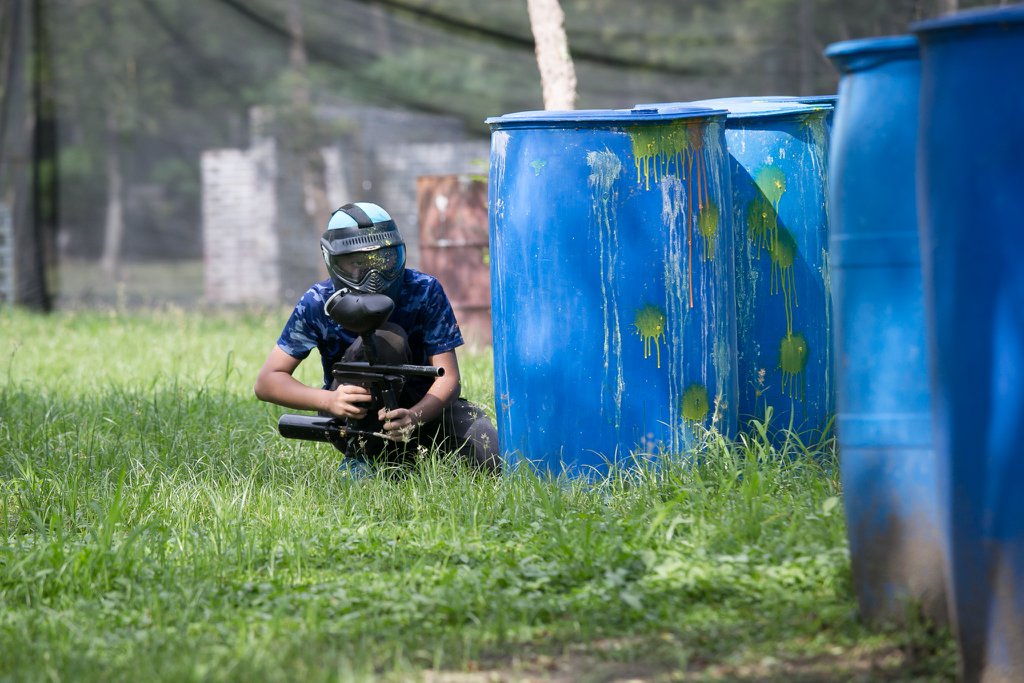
x=971 y=192
x=883 y=412
x=778 y=154
x=612 y=285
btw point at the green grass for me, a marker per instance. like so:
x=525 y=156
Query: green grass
x=153 y=526
x=83 y=284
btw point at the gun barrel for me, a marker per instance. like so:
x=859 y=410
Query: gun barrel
x=309 y=428
x=403 y=370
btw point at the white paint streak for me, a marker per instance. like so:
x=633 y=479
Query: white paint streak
x=724 y=272
x=605 y=169
x=499 y=150
x=674 y=218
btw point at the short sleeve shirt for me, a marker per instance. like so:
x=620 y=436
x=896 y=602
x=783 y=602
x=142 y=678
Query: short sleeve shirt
x=422 y=309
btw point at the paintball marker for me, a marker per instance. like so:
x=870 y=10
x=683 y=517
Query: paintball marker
x=362 y=314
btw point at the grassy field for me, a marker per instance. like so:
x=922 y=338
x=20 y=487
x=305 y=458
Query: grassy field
x=153 y=526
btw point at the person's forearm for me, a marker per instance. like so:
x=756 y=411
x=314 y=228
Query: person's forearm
x=284 y=390
x=441 y=395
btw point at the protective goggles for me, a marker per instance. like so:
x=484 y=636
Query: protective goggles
x=357 y=268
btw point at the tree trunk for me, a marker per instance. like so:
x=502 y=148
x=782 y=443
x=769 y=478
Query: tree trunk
x=45 y=158
x=948 y=6
x=29 y=187
x=113 y=229
x=9 y=67
x=808 y=53
x=297 y=53
x=314 y=173
x=557 y=74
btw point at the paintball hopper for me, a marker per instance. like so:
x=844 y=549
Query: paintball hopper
x=359 y=313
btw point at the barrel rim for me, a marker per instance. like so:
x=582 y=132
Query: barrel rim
x=981 y=17
x=884 y=49
x=742 y=108
x=822 y=100
x=638 y=115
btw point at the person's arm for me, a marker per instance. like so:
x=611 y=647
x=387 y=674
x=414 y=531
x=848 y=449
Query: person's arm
x=275 y=384
x=442 y=393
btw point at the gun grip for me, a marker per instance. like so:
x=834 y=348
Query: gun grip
x=388 y=397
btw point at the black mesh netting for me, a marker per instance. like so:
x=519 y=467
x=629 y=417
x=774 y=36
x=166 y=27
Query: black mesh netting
x=157 y=150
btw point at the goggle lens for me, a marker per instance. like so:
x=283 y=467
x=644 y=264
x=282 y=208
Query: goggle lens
x=354 y=267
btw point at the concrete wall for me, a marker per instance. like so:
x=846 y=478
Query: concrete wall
x=257 y=242
x=240 y=245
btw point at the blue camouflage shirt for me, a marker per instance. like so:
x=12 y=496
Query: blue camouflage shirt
x=422 y=310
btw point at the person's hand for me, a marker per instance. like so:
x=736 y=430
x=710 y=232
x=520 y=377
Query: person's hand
x=399 y=423
x=346 y=400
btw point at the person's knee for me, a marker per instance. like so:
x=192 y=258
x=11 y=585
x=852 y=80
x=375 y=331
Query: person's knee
x=464 y=431
x=481 y=438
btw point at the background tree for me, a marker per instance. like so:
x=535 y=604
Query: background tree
x=557 y=74
x=304 y=135
x=28 y=154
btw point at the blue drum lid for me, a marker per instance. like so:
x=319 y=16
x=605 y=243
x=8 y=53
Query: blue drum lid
x=755 y=108
x=826 y=100
x=863 y=54
x=600 y=117
x=984 y=17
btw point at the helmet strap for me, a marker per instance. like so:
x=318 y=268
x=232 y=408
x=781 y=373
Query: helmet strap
x=362 y=220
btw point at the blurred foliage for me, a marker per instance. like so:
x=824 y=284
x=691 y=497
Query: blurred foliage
x=160 y=81
x=187 y=72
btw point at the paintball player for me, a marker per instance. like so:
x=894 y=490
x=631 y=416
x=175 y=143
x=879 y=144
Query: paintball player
x=365 y=254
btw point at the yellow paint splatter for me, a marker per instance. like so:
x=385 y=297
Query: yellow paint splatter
x=762 y=222
x=650 y=326
x=783 y=276
x=763 y=209
x=695 y=403
x=793 y=363
x=707 y=226
x=660 y=150
x=772 y=183
x=815 y=125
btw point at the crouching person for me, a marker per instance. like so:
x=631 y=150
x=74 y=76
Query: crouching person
x=365 y=254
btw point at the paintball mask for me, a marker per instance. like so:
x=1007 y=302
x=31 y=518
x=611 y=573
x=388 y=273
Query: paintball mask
x=363 y=250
